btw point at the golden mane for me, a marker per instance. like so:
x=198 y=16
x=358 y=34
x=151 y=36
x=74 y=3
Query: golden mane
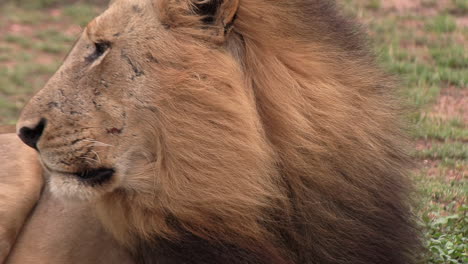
x=327 y=170
x=264 y=133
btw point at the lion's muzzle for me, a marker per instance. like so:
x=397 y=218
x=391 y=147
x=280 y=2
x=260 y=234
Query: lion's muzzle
x=31 y=133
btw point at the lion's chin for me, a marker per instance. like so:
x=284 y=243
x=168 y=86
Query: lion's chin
x=79 y=187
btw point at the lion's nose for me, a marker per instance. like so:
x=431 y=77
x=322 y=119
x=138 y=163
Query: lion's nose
x=31 y=133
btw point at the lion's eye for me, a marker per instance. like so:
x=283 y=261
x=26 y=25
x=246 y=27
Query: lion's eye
x=99 y=49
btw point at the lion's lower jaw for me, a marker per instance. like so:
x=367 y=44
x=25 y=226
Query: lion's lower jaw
x=71 y=188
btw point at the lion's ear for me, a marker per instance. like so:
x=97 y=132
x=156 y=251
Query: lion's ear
x=216 y=12
x=214 y=15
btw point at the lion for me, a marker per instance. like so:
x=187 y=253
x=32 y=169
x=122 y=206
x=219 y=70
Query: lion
x=55 y=232
x=229 y=131
x=20 y=185
x=58 y=233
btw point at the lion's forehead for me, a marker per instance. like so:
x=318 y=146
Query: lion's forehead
x=117 y=16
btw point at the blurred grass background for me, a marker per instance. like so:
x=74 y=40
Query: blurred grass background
x=424 y=42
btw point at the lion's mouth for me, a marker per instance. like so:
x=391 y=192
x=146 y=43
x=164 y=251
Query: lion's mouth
x=93 y=177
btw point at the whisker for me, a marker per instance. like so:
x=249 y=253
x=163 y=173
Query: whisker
x=97 y=143
x=90 y=161
x=97 y=156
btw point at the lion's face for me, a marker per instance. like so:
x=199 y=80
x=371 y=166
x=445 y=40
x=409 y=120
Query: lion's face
x=130 y=99
x=94 y=106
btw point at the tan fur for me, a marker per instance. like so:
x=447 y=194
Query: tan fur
x=58 y=233
x=7 y=129
x=52 y=233
x=20 y=186
x=267 y=127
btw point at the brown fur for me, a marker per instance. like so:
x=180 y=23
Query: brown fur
x=20 y=186
x=251 y=131
x=59 y=233
x=7 y=129
x=53 y=232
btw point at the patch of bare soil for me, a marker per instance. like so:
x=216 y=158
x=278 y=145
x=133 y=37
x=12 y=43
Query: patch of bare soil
x=421 y=7
x=452 y=103
x=55 y=12
x=433 y=169
x=19 y=29
x=423 y=144
x=462 y=21
x=401 y=5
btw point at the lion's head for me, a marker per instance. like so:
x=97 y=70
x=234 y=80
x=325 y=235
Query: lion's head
x=131 y=98
x=252 y=126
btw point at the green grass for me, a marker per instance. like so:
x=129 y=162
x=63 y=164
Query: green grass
x=54 y=48
x=374 y=4
x=429 y=53
x=447 y=238
x=445 y=220
x=51 y=35
x=459 y=7
x=442 y=24
x=12 y=14
x=32 y=49
x=29 y=5
x=7 y=109
x=450 y=56
x=22 y=41
x=36 y=3
x=456 y=150
x=4 y=57
x=436 y=129
x=80 y=13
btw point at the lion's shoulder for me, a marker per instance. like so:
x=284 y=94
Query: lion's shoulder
x=20 y=186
